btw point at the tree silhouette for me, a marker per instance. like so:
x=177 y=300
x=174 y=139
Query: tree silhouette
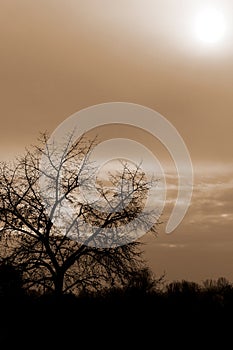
x=143 y=282
x=63 y=251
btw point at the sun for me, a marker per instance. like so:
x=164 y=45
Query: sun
x=210 y=26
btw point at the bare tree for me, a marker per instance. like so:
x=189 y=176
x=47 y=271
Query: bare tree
x=61 y=240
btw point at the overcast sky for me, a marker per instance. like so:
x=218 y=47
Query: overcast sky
x=60 y=56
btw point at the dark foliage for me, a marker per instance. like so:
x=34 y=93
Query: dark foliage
x=136 y=315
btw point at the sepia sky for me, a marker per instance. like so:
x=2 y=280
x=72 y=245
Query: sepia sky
x=60 y=56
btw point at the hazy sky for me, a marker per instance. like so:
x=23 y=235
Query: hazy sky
x=59 y=56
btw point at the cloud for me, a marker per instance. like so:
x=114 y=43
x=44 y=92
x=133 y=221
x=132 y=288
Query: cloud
x=171 y=245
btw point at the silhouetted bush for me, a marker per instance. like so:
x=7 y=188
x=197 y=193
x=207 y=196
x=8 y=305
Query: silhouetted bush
x=11 y=282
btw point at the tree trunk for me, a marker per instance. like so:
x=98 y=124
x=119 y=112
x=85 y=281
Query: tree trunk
x=58 y=283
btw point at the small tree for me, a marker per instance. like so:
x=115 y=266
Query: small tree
x=144 y=283
x=59 y=251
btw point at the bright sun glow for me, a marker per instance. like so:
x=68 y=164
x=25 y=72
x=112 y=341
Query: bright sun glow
x=210 y=26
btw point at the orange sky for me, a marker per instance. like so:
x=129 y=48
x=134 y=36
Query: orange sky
x=59 y=56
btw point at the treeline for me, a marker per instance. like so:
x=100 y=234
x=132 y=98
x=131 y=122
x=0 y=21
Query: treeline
x=144 y=309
